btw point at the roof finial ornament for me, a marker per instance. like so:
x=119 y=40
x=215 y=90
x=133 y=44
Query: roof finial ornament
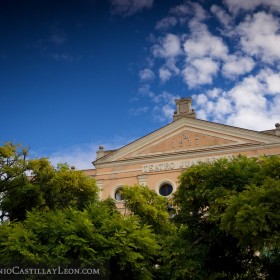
x=100 y=152
x=184 y=108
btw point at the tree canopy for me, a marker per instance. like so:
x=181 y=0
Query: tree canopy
x=53 y=217
x=226 y=224
x=230 y=209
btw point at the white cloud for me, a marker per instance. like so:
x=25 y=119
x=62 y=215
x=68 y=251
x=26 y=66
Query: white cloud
x=236 y=6
x=200 y=72
x=146 y=75
x=164 y=74
x=202 y=43
x=130 y=7
x=164 y=106
x=189 y=9
x=237 y=65
x=251 y=103
x=168 y=70
x=251 y=118
x=145 y=90
x=213 y=104
x=259 y=36
x=166 y=23
x=200 y=99
x=222 y=16
x=243 y=50
x=81 y=156
x=204 y=52
x=248 y=94
x=273 y=83
x=168 y=47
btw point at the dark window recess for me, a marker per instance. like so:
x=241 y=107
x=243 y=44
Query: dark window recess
x=165 y=189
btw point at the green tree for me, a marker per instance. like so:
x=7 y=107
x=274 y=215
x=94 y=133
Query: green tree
x=174 y=259
x=98 y=237
x=253 y=215
x=13 y=164
x=147 y=205
x=218 y=204
x=56 y=219
x=48 y=188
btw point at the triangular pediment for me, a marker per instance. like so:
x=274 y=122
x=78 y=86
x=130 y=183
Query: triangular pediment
x=186 y=135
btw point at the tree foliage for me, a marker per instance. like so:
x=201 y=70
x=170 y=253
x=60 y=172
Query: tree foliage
x=174 y=257
x=230 y=210
x=226 y=224
x=54 y=218
x=147 y=205
x=97 y=237
x=13 y=164
x=48 y=188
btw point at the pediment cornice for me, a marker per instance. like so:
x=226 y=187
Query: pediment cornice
x=219 y=137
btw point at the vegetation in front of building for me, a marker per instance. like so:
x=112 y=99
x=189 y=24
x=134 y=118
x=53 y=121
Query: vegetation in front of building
x=225 y=222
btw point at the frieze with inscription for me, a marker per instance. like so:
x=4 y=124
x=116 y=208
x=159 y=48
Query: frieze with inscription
x=182 y=164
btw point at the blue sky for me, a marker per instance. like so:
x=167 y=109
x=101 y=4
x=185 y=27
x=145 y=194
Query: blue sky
x=78 y=74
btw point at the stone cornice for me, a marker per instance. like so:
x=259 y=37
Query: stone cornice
x=190 y=154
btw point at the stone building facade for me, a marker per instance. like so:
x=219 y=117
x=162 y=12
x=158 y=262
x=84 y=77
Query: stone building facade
x=157 y=159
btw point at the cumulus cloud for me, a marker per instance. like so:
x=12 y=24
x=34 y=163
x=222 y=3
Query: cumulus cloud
x=259 y=36
x=168 y=70
x=164 y=106
x=241 y=5
x=189 y=9
x=273 y=83
x=231 y=69
x=145 y=90
x=235 y=65
x=202 y=43
x=164 y=74
x=146 y=75
x=250 y=103
x=166 y=23
x=224 y=18
x=130 y=7
x=203 y=52
x=200 y=71
x=168 y=47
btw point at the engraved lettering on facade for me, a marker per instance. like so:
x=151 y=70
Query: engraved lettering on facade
x=157 y=167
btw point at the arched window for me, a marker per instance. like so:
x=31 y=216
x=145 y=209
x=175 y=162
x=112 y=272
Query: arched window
x=118 y=195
